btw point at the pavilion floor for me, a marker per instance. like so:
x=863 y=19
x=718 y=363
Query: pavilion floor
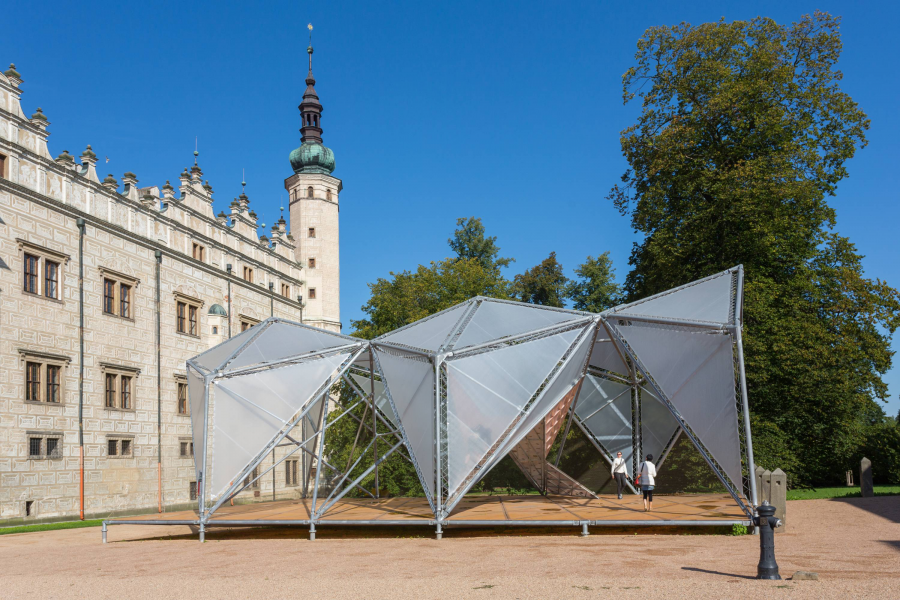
x=687 y=509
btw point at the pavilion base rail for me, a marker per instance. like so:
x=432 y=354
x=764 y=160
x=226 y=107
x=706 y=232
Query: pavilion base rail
x=314 y=523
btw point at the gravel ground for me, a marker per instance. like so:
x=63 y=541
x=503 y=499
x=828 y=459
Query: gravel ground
x=853 y=544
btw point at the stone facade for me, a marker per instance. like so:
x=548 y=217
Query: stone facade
x=129 y=236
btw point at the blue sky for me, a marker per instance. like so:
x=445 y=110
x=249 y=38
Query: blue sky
x=510 y=111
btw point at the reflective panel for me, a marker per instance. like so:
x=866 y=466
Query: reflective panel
x=430 y=333
x=708 y=300
x=695 y=368
x=411 y=385
x=485 y=394
x=494 y=320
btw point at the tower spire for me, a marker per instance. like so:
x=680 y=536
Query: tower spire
x=312 y=156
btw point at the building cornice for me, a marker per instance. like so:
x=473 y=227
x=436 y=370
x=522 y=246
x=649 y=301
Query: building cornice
x=150 y=244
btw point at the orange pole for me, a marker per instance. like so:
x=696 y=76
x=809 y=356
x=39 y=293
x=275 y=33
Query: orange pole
x=159 y=484
x=81 y=482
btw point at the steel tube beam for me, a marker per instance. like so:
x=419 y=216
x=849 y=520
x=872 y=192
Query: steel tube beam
x=739 y=325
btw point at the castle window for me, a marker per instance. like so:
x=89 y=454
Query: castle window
x=43 y=376
x=51 y=279
x=3 y=166
x=252 y=480
x=41 y=270
x=285 y=290
x=43 y=445
x=312 y=263
x=312 y=232
x=119 y=386
x=181 y=388
x=120 y=447
x=309 y=192
x=328 y=195
x=31 y=273
x=117 y=293
x=186 y=447
x=291 y=472
x=312 y=293
x=248 y=274
x=215 y=330
x=198 y=251
x=187 y=315
x=248 y=322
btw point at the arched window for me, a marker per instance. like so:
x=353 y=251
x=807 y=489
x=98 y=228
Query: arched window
x=309 y=192
x=328 y=195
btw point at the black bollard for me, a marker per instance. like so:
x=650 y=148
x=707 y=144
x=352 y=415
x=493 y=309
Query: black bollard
x=766 y=521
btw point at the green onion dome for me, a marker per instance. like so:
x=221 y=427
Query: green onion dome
x=312 y=158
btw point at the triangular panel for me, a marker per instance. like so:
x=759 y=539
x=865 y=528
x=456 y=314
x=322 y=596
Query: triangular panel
x=696 y=371
x=410 y=382
x=282 y=340
x=214 y=357
x=606 y=356
x=196 y=395
x=428 y=333
x=610 y=426
x=486 y=393
x=706 y=300
x=658 y=425
x=249 y=410
x=495 y=320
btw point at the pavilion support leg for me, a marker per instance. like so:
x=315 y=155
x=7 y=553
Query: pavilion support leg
x=202 y=532
x=103 y=532
x=312 y=531
x=438 y=532
x=584 y=529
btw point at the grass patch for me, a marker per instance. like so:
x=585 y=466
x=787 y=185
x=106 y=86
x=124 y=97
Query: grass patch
x=840 y=492
x=51 y=526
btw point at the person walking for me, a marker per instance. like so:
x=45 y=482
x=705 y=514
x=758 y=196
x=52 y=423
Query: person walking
x=647 y=479
x=619 y=472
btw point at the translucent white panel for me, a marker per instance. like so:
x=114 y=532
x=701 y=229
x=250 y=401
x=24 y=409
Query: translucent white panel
x=381 y=399
x=215 y=356
x=569 y=375
x=611 y=427
x=283 y=340
x=696 y=371
x=196 y=395
x=658 y=425
x=486 y=392
x=310 y=425
x=255 y=407
x=411 y=385
x=708 y=300
x=597 y=392
x=605 y=355
x=494 y=320
x=429 y=333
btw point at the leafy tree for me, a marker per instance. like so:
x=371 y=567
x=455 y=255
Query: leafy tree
x=542 y=284
x=744 y=132
x=469 y=242
x=595 y=290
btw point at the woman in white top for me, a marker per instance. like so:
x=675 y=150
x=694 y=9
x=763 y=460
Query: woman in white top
x=619 y=472
x=647 y=479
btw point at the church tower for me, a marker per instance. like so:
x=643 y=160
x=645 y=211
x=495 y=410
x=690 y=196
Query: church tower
x=314 y=211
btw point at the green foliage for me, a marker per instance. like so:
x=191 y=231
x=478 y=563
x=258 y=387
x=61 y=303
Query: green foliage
x=469 y=243
x=543 y=284
x=595 y=290
x=738 y=529
x=825 y=493
x=406 y=297
x=51 y=526
x=881 y=445
x=744 y=131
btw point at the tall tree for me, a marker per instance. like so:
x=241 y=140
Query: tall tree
x=469 y=242
x=542 y=284
x=596 y=289
x=744 y=132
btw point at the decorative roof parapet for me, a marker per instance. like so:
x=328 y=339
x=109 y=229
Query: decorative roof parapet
x=131 y=191
x=38 y=119
x=66 y=160
x=110 y=183
x=168 y=191
x=89 y=165
x=14 y=78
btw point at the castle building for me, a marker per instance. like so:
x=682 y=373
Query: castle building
x=107 y=288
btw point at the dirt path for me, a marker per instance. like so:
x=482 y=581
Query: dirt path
x=854 y=545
